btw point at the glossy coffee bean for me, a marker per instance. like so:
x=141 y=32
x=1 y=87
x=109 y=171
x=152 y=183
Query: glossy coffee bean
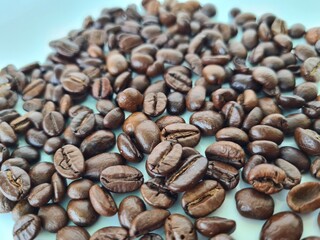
x=72 y=233
x=132 y=122
x=17 y=162
x=113 y=119
x=232 y=134
x=101 y=88
x=154 y=104
x=22 y=208
x=282 y=225
x=268 y=149
x=81 y=212
x=306 y=90
x=128 y=148
x=7 y=134
x=53 y=123
x=179 y=226
x=176 y=104
x=195 y=98
x=109 y=233
x=129 y=208
x=212 y=226
x=265 y=76
x=102 y=201
x=308 y=141
x=82 y=124
x=53 y=217
x=254 y=204
x=130 y=100
x=209 y=122
x=295 y=157
x=203 y=199
x=59 y=185
x=121 y=179
x=147 y=135
x=41 y=173
x=6 y=205
x=178 y=81
x=36 y=138
x=164 y=121
x=253 y=118
x=79 y=189
x=26 y=152
x=233 y=114
x=293 y=175
x=27 y=227
x=40 y=195
x=264 y=132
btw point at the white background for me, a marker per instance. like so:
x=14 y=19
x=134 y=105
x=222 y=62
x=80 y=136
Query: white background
x=28 y=25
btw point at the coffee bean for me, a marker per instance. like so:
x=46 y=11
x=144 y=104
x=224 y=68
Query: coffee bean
x=203 y=199
x=156 y=219
x=7 y=134
x=129 y=208
x=164 y=121
x=113 y=119
x=265 y=76
x=53 y=217
x=169 y=56
x=310 y=69
x=147 y=135
x=268 y=149
x=141 y=82
x=293 y=176
x=177 y=225
x=188 y=174
x=128 y=149
x=34 y=89
x=104 y=106
x=116 y=63
x=254 y=204
x=185 y=134
x=156 y=194
x=209 y=122
x=154 y=104
x=264 y=132
x=233 y=114
x=102 y=201
x=35 y=104
x=6 y=205
x=101 y=88
x=178 y=81
x=226 y=151
x=22 y=208
x=41 y=173
x=75 y=83
x=69 y=162
x=253 y=118
x=26 y=152
x=267 y=178
x=130 y=100
x=17 y=162
x=211 y=226
x=158 y=86
x=121 y=179
x=65 y=47
x=276 y=120
x=98 y=142
x=20 y=124
x=214 y=74
x=73 y=233
x=52 y=145
x=59 y=185
x=140 y=62
x=27 y=227
x=40 y=195
x=82 y=124
x=290 y=101
x=34 y=137
x=307 y=140
x=312 y=109
x=281 y=225
x=304 y=51
x=232 y=134
x=297 y=30
x=315 y=168
x=81 y=212
x=306 y=90
x=79 y=189
x=122 y=81
x=132 y=122
x=109 y=233
x=4 y=153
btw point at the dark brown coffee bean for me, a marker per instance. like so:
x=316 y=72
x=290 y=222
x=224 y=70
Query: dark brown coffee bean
x=26 y=152
x=129 y=208
x=304 y=51
x=65 y=104
x=164 y=121
x=221 y=96
x=70 y=138
x=233 y=113
x=282 y=225
x=110 y=233
x=268 y=149
x=48 y=107
x=315 y=168
x=275 y=120
x=250 y=39
x=296 y=30
x=36 y=119
x=81 y=212
x=53 y=123
x=253 y=118
x=170 y=56
x=154 y=104
x=34 y=89
x=7 y=115
x=164 y=158
x=113 y=119
x=195 y=98
x=179 y=226
x=188 y=174
x=185 y=134
x=73 y=233
x=34 y=137
x=178 y=81
x=130 y=100
x=21 y=208
x=69 y=162
x=194 y=62
x=214 y=74
x=101 y=88
x=242 y=18
x=27 y=227
x=53 y=217
x=265 y=76
x=268 y=106
x=140 y=82
x=147 y=135
x=290 y=101
x=102 y=201
x=41 y=173
x=203 y=199
x=176 y=103
x=20 y=124
x=286 y=80
x=312 y=109
x=227 y=152
x=6 y=205
x=104 y=106
x=156 y=217
x=232 y=134
x=140 y=62
x=75 y=83
x=121 y=179
x=248 y=100
x=59 y=185
x=132 y=122
x=310 y=69
x=17 y=162
x=98 y=142
x=308 y=141
x=65 y=47
x=306 y=90
x=7 y=134
x=128 y=149
x=96 y=164
x=52 y=145
x=267 y=178
x=254 y=204
x=116 y=63
x=40 y=195
x=79 y=189
x=264 y=132
x=212 y=226
x=122 y=81
x=293 y=176
x=209 y=122
x=158 y=86
x=82 y=124
x=156 y=194
x=241 y=82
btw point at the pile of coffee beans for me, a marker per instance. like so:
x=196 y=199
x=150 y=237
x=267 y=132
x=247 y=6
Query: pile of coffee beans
x=144 y=72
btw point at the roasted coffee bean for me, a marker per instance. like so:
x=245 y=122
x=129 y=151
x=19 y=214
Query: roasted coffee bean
x=73 y=233
x=312 y=109
x=122 y=81
x=176 y=103
x=290 y=101
x=140 y=82
x=96 y=164
x=306 y=90
x=59 y=185
x=41 y=173
x=52 y=145
x=296 y=30
x=79 y=189
x=248 y=100
x=104 y=106
x=178 y=81
x=102 y=201
x=185 y=134
x=121 y=179
x=188 y=174
x=308 y=141
x=285 y=225
x=17 y=162
x=70 y=138
x=268 y=106
x=154 y=104
x=156 y=218
x=267 y=178
x=7 y=134
x=65 y=47
x=110 y=233
x=40 y=195
x=113 y=119
x=129 y=208
x=310 y=69
x=26 y=152
x=116 y=63
x=101 y=88
x=164 y=158
x=98 y=142
x=304 y=198
x=195 y=98
x=6 y=205
x=253 y=118
x=209 y=122
x=164 y=121
x=53 y=217
x=34 y=137
x=214 y=74
x=194 y=62
x=140 y=62
x=20 y=124
x=132 y=122
x=7 y=115
x=158 y=86
x=233 y=114
x=75 y=83
x=27 y=227
x=82 y=124
x=275 y=120
x=304 y=51
x=212 y=226
x=4 y=153
x=225 y=174
x=315 y=168
x=147 y=135
x=81 y=212
x=34 y=89
x=264 y=132
x=15 y=183
x=203 y=199
x=286 y=80
x=179 y=226
x=69 y=162
x=221 y=96
x=130 y=100
x=227 y=152
x=232 y=134
x=254 y=204
x=36 y=119
x=170 y=56
x=22 y=208
x=242 y=18
x=293 y=176
x=128 y=149
x=265 y=76
x=268 y=149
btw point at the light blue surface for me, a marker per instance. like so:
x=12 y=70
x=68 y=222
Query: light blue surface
x=28 y=25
